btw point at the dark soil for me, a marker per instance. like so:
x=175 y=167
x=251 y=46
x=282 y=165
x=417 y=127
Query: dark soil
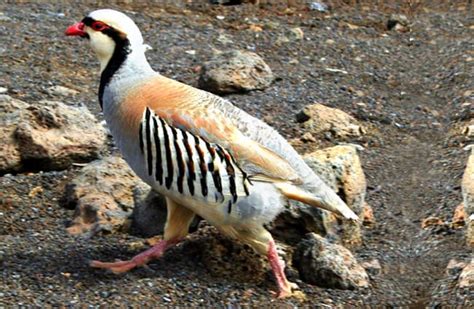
x=412 y=86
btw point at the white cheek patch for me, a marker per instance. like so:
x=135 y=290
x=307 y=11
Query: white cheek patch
x=102 y=45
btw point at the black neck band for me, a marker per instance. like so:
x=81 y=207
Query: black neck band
x=121 y=51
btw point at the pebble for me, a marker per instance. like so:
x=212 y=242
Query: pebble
x=318 y=6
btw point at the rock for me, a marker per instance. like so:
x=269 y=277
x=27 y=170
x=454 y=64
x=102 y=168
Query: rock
x=466 y=278
x=235 y=71
x=11 y=113
x=430 y=222
x=467 y=186
x=299 y=219
x=55 y=135
x=319 y=119
x=105 y=192
x=62 y=91
x=455 y=267
x=318 y=6
x=340 y=168
x=398 y=22
x=459 y=217
x=225 y=39
x=372 y=267
x=96 y=212
x=290 y=35
x=3 y=90
x=368 y=218
x=47 y=135
x=149 y=212
x=328 y=265
x=296 y=34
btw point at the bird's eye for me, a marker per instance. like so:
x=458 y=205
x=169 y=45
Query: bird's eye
x=98 y=26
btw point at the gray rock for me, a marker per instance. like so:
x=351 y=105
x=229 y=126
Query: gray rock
x=299 y=219
x=47 y=135
x=328 y=265
x=149 y=212
x=318 y=6
x=106 y=192
x=235 y=71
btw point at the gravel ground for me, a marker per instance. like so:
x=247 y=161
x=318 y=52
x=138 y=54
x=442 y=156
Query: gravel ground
x=412 y=86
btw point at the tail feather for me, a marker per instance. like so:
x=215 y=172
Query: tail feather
x=326 y=199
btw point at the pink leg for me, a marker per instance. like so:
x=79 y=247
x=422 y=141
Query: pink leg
x=278 y=266
x=139 y=260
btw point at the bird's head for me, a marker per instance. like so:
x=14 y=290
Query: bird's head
x=109 y=31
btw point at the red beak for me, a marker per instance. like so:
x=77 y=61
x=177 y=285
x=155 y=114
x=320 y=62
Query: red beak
x=76 y=29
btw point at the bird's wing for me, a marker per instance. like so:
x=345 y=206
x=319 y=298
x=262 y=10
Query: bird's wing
x=195 y=111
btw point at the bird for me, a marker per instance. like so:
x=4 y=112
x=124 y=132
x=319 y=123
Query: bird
x=206 y=156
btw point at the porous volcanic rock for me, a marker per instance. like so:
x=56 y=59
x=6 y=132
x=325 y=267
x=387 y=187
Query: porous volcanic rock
x=328 y=265
x=105 y=194
x=47 y=135
x=319 y=119
x=235 y=71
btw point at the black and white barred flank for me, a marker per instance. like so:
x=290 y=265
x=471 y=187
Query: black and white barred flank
x=180 y=160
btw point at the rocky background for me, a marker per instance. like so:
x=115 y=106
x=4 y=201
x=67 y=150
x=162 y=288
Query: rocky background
x=377 y=97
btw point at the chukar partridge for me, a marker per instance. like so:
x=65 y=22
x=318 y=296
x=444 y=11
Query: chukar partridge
x=206 y=156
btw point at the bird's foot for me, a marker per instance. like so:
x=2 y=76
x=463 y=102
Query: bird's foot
x=139 y=260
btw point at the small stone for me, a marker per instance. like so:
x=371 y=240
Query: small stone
x=255 y=28
x=318 y=6
x=308 y=137
x=296 y=33
x=455 y=267
x=459 y=217
x=225 y=39
x=368 y=218
x=372 y=267
x=3 y=90
x=62 y=91
x=430 y=222
x=4 y=17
